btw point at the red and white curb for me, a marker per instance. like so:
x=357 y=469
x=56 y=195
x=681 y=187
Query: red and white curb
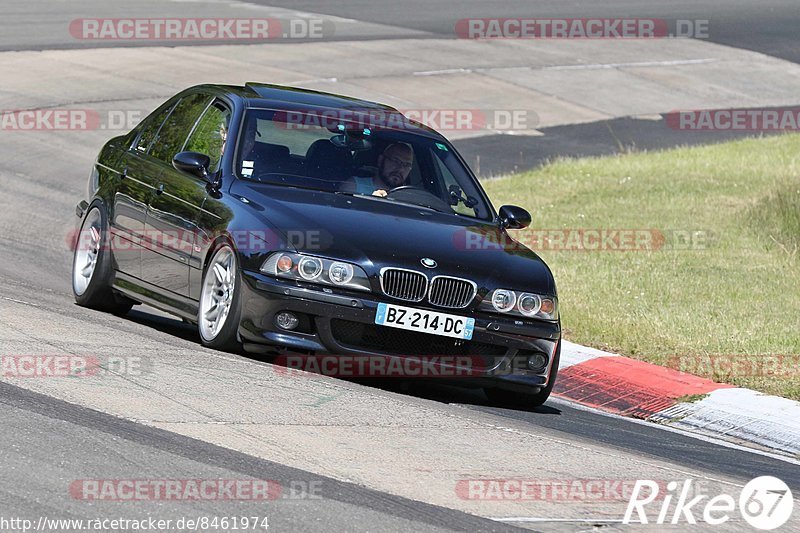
x=628 y=387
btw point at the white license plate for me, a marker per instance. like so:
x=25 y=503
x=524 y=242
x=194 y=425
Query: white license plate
x=397 y=316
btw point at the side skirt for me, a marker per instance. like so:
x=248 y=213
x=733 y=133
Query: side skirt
x=149 y=294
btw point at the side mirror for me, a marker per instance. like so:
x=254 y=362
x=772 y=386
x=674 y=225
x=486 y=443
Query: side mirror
x=193 y=163
x=513 y=217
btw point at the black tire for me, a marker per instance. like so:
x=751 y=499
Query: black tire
x=525 y=400
x=97 y=294
x=227 y=338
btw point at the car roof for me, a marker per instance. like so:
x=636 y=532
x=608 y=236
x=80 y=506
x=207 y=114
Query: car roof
x=282 y=97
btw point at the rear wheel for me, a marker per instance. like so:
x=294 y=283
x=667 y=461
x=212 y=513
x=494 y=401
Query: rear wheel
x=526 y=400
x=219 y=312
x=92 y=268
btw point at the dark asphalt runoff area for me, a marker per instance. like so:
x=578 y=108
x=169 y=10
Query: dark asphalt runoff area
x=497 y=155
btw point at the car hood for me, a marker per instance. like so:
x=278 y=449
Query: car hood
x=377 y=233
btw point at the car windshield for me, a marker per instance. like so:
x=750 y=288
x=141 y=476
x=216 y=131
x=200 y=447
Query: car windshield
x=322 y=152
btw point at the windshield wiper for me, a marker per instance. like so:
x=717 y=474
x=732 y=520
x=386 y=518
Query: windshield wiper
x=417 y=205
x=393 y=200
x=292 y=181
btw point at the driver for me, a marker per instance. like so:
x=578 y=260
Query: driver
x=394 y=166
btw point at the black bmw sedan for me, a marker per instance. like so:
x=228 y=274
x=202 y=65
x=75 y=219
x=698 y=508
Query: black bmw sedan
x=281 y=220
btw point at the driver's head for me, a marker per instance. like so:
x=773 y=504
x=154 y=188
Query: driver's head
x=394 y=164
x=249 y=136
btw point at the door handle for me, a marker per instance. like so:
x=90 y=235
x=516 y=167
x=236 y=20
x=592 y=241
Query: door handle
x=160 y=189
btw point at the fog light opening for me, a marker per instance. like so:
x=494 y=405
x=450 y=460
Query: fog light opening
x=537 y=362
x=286 y=320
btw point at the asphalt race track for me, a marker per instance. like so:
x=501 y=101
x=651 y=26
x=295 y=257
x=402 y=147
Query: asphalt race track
x=769 y=27
x=348 y=456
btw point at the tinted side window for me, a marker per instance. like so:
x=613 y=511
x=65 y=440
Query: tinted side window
x=150 y=129
x=210 y=134
x=175 y=130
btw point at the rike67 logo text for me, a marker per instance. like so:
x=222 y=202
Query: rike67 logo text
x=765 y=503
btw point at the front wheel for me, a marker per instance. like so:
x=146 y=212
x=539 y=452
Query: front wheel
x=526 y=400
x=220 y=310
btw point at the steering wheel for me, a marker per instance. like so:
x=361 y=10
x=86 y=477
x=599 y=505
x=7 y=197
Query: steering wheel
x=405 y=188
x=419 y=196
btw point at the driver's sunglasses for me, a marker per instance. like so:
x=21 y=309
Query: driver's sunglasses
x=399 y=162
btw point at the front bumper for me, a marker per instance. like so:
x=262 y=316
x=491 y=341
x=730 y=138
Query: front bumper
x=343 y=323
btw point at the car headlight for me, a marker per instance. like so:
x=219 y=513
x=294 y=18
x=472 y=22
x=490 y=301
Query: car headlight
x=503 y=300
x=310 y=268
x=527 y=304
x=316 y=270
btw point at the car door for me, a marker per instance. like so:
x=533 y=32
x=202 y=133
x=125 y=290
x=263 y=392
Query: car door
x=138 y=177
x=174 y=207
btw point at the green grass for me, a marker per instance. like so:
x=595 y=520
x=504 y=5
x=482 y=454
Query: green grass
x=734 y=296
x=778 y=215
x=691 y=398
